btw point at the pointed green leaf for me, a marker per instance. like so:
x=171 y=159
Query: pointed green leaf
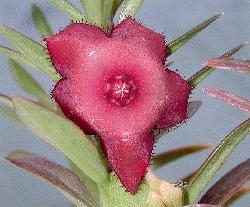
x=214 y=162
x=93 y=11
x=116 y=5
x=6 y=100
x=59 y=176
x=6 y=108
x=172 y=155
x=8 y=112
x=107 y=8
x=31 y=50
x=130 y=8
x=68 y=9
x=242 y=191
x=179 y=42
x=63 y=135
x=16 y=56
x=29 y=84
x=232 y=64
x=206 y=71
x=40 y=21
x=228 y=185
x=21 y=42
x=229 y=98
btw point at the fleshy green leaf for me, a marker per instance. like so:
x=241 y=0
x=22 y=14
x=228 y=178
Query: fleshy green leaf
x=6 y=108
x=230 y=64
x=215 y=160
x=16 y=56
x=107 y=8
x=179 y=42
x=7 y=101
x=130 y=8
x=228 y=185
x=114 y=194
x=63 y=135
x=8 y=112
x=206 y=71
x=29 y=84
x=68 y=9
x=229 y=98
x=116 y=5
x=242 y=191
x=172 y=155
x=40 y=21
x=31 y=50
x=59 y=176
x=93 y=11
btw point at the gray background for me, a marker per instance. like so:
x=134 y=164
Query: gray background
x=210 y=125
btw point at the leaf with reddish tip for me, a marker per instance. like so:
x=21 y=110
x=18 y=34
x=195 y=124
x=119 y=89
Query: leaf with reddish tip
x=130 y=8
x=68 y=9
x=57 y=175
x=193 y=107
x=228 y=185
x=214 y=161
x=242 y=191
x=42 y=26
x=179 y=42
x=90 y=184
x=229 y=98
x=206 y=71
x=230 y=64
x=63 y=135
x=172 y=155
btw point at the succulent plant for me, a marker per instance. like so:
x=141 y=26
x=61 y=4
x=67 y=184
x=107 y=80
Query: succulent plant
x=114 y=96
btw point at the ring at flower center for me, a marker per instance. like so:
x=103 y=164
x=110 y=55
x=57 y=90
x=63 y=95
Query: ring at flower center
x=120 y=90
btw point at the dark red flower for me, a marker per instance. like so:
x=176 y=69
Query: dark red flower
x=115 y=85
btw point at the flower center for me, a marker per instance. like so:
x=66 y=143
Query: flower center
x=120 y=90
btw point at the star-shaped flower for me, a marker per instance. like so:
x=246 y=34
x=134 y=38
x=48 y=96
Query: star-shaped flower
x=116 y=85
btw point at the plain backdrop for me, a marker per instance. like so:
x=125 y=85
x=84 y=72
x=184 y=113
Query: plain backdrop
x=172 y=18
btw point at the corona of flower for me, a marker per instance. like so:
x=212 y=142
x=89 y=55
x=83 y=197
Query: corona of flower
x=116 y=85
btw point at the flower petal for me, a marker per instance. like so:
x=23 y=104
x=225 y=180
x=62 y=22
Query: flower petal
x=129 y=155
x=117 y=87
x=82 y=96
x=72 y=46
x=133 y=32
x=178 y=91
